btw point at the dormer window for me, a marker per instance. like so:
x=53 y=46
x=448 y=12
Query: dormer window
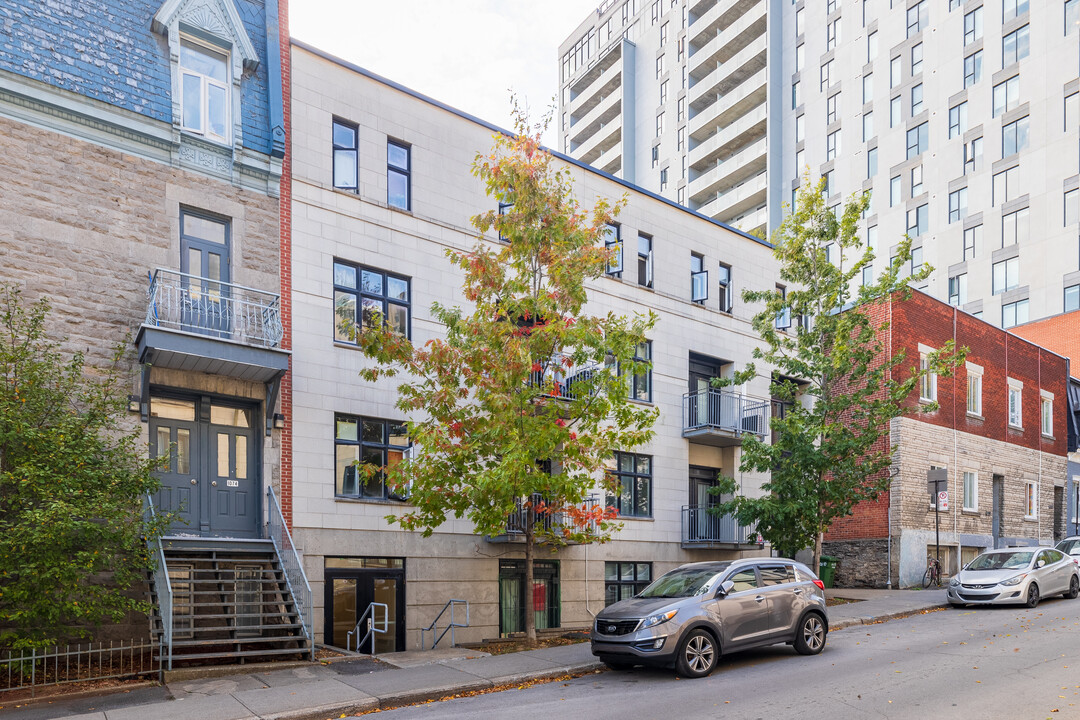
x=205 y=93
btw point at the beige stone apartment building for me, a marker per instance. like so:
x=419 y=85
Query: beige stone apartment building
x=381 y=189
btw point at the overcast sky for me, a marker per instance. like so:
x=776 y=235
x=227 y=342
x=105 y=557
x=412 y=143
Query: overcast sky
x=466 y=53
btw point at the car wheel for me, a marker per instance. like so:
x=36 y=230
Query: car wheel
x=616 y=664
x=697 y=654
x=1032 y=595
x=810 y=637
x=1074 y=588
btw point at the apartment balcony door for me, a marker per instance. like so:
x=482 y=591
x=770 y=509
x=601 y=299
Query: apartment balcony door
x=705 y=405
x=204 y=258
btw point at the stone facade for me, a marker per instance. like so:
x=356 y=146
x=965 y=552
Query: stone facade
x=359 y=227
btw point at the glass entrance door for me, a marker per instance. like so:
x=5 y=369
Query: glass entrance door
x=174 y=435
x=515 y=599
x=352 y=586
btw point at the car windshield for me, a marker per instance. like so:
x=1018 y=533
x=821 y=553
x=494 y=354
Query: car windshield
x=1001 y=561
x=681 y=583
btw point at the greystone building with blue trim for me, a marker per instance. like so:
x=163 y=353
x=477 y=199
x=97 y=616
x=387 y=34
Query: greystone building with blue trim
x=142 y=147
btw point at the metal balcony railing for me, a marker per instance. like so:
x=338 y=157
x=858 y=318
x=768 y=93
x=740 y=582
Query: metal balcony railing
x=701 y=526
x=559 y=376
x=180 y=301
x=517 y=521
x=714 y=409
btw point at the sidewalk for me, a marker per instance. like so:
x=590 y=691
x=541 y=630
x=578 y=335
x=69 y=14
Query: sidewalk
x=316 y=692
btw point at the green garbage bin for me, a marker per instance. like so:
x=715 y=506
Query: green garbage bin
x=828 y=569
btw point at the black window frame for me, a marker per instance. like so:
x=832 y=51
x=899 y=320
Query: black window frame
x=636 y=583
x=1020 y=39
x=406 y=172
x=359 y=294
x=698 y=276
x=640 y=382
x=1014 y=129
x=383 y=446
x=638 y=480
x=616 y=269
x=338 y=149
x=723 y=276
x=922 y=140
x=973 y=74
x=645 y=260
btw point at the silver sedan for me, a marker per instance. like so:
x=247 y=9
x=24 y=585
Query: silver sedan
x=1015 y=576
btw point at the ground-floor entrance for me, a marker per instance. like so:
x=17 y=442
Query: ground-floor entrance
x=352 y=586
x=211 y=480
x=515 y=599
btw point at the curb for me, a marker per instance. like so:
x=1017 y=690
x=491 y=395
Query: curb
x=406 y=698
x=872 y=619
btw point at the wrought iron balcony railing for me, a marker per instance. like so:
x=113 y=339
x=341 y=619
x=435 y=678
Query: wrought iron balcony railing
x=560 y=376
x=699 y=526
x=714 y=409
x=180 y=301
x=517 y=521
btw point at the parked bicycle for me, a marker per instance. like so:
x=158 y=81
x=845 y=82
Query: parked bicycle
x=932 y=576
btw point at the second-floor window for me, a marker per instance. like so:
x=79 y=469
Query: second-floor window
x=974 y=393
x=613 y=244
x=783 y=318
x=1015 y=407
x=381 y=443
x=640 y=373
x=1047 y=416
x=204 y=90
x=366 y=297
x=928 y=382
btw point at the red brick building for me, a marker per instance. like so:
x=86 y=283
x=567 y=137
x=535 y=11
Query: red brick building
x=999 y=431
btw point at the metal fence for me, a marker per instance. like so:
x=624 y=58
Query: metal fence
x=278 y=532
x=61 y=664
x=518 y=521
x=560 y=375
x=180 y=301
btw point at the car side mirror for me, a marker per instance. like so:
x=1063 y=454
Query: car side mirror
x=725 y=588
x=1040 y=563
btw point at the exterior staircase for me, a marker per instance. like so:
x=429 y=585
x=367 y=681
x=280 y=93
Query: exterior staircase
x=230 y=601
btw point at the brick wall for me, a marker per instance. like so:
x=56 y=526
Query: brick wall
x=106 y=51
x=285 y=231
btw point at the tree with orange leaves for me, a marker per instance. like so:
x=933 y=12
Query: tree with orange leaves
x=517 y=408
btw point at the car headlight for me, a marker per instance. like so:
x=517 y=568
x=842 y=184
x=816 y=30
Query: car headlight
x=1015 y=580
x=955 y=582
x=658 y=618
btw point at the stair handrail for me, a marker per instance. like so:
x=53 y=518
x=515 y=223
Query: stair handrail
x=295 y=577
x=162 y=585
x=450 y=604
x=372 y=626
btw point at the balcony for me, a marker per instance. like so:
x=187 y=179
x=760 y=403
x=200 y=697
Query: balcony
x=562 y=379
x=198 y=324
x=721 y=418
x=703 y=530
x=517 y=521
x=739 y=200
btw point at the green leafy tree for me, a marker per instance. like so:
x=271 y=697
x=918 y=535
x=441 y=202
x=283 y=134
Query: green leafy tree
x=72 y=479
x=828 y=454
x=521 y=405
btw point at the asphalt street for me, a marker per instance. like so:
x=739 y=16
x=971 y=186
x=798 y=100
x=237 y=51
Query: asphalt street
x=986 y=663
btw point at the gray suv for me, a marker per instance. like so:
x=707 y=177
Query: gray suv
x=693 y=613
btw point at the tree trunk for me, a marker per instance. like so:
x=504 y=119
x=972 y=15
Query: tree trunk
x=530 y=616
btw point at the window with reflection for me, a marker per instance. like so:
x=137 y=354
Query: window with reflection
x=367 y=441
x=368 y=297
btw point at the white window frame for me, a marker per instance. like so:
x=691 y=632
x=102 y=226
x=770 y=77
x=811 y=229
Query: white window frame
x=205 y=83
x=969 y=504
x=1046 y=413
x=974 y=389
x=928 y=382
x=1015 y=411
x=1031 y=500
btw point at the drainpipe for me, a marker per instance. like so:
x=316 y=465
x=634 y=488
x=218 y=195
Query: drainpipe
x=888 y=530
